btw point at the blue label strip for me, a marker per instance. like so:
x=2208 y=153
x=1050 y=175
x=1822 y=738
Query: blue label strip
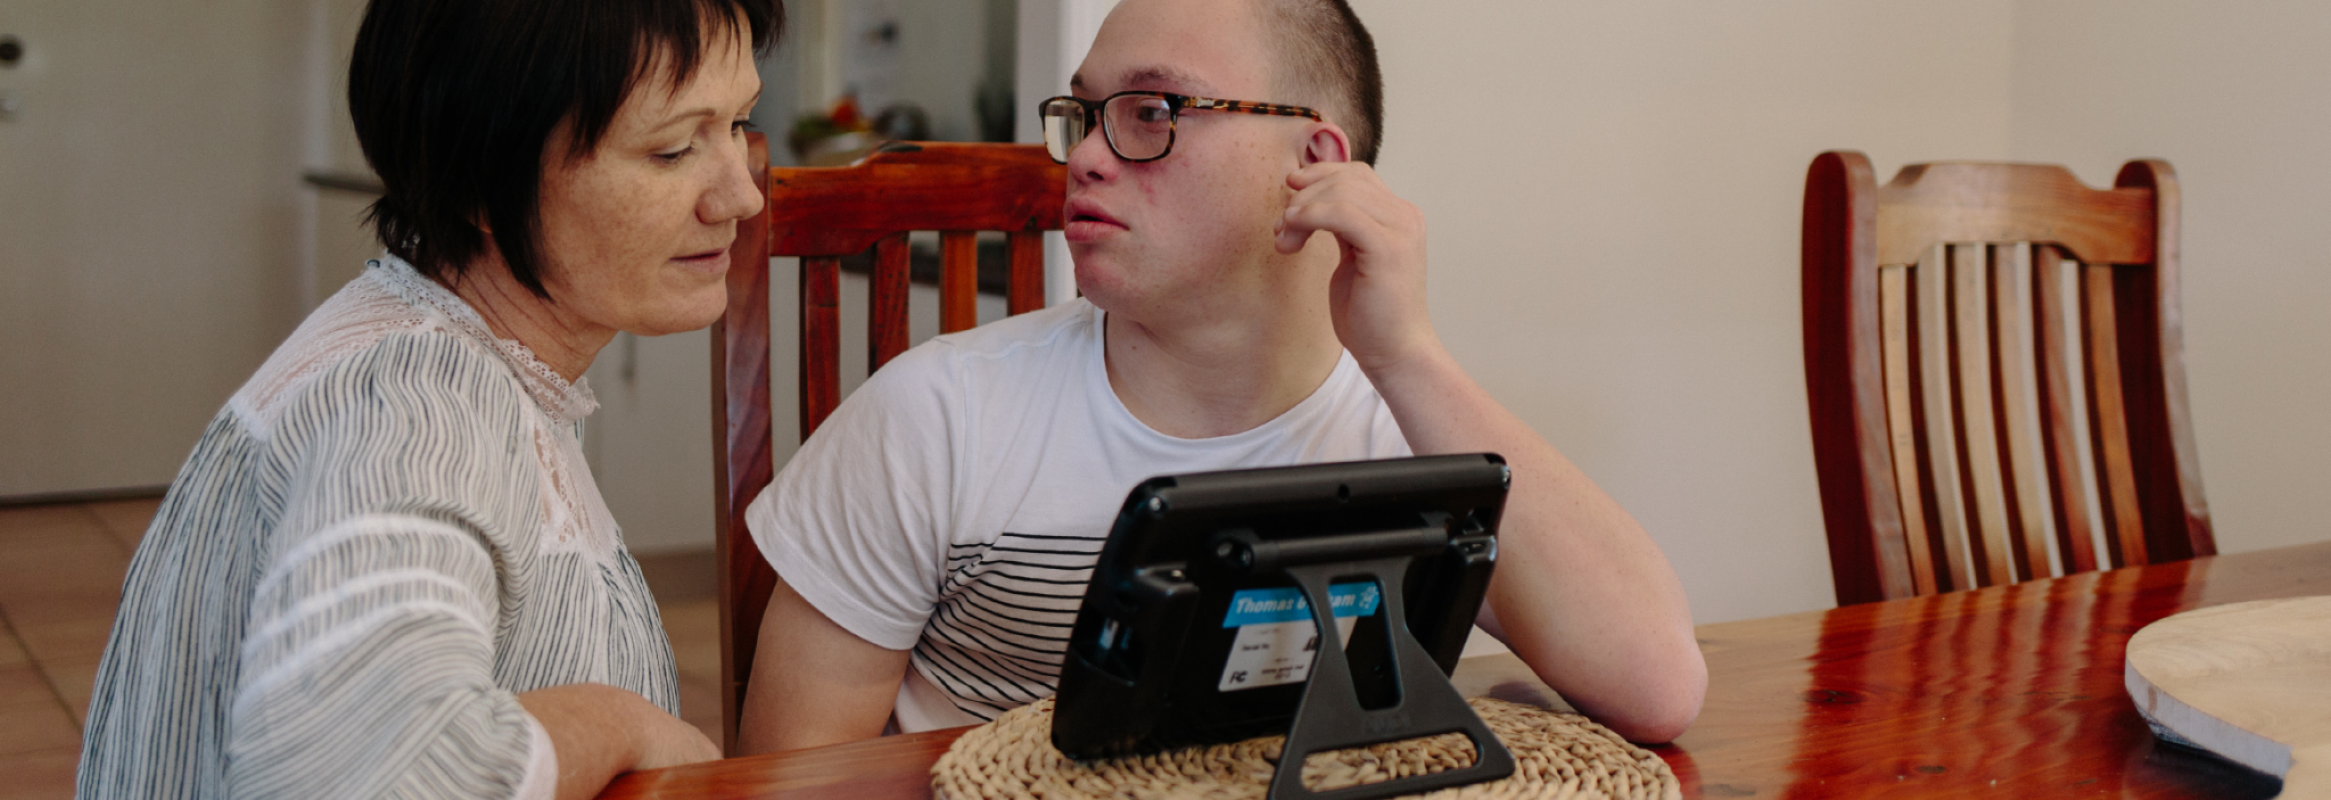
x=1286 y=604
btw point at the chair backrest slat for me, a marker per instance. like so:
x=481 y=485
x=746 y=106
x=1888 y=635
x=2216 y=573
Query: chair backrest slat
x=821 y=338
x=1026 y=292
x=1903 y=432
x=1994 y=370
x=2063 y=412
x=822 y=215
x=1978 y=429
x=886 y=306
x=2015 y=354
x=1939 y=414
x=958 y=281
x=2109 y=416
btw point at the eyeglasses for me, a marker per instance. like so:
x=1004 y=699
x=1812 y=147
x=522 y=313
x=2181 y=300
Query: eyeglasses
x=1139 y=126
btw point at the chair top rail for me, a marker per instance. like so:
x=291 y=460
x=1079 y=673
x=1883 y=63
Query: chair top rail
x=914 y=186
x=1930 y=204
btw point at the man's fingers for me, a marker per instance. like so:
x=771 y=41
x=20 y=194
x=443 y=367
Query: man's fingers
x=1371 y=196
x=1354 y=225
x=1350 y=201
x=1327 y=170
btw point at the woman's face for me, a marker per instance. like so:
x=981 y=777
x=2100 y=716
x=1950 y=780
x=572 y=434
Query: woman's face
x=636 y=232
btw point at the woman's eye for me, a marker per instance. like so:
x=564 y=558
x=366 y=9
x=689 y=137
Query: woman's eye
x=739 y=127
x=673 y=157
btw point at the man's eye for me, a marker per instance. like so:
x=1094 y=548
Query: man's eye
x=1154 y=114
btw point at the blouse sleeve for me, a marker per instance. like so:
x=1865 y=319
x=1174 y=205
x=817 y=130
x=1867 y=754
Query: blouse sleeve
x=367 y=664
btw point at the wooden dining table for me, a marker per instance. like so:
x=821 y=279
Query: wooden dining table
x=2011 y=691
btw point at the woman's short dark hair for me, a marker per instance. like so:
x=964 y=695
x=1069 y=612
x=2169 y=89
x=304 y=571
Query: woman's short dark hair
x=455 y=103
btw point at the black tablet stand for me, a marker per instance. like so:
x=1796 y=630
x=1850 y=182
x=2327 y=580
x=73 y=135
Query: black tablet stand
x=1331 y=716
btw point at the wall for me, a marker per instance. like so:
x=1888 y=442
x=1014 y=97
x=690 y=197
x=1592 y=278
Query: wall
x=2238 y=99
x=1613 y=191
x=1612 y=187
x=943 y=53
x=148 y=229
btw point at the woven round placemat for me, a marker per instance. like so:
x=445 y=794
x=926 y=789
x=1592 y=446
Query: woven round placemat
x=1556 y=755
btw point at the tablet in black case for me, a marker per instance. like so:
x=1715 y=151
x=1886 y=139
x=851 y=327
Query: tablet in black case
x=1193 y=631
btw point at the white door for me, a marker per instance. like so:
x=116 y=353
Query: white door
x=149 y=237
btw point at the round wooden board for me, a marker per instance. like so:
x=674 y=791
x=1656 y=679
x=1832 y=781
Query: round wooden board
x=2248 y=681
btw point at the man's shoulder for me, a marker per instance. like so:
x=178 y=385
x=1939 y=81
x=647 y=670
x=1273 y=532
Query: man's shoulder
x=1045 y=331
x=1042 y=351
x=1043 y=340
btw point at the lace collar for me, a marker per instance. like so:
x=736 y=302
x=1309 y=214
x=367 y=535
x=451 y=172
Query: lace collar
x=565 y=402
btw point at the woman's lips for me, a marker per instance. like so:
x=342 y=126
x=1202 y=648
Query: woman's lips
x=713 y=262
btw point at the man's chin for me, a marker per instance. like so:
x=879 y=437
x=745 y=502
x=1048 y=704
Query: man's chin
x=1101 y=287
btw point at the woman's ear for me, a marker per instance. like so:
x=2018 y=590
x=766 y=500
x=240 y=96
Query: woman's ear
x=1327 y=142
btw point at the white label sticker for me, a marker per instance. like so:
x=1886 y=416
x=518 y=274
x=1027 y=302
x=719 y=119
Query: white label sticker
x=1276 y=636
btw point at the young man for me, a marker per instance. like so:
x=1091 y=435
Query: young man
x=1254 y=295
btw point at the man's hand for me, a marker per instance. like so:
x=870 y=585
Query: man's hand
x=1377 y=296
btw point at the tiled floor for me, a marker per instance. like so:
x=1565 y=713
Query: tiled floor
x=61 y=568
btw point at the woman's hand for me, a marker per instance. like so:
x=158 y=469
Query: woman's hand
x=600 y=731
x=672 y=742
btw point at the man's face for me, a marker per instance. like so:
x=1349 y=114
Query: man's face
x=1180 y=234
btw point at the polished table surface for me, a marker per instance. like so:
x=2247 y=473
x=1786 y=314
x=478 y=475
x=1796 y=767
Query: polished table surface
x=2011 y=691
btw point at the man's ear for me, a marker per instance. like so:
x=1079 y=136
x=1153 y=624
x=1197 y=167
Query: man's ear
x=1326 y=143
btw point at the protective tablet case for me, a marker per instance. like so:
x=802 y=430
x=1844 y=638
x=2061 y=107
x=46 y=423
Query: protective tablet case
x=1183 y=640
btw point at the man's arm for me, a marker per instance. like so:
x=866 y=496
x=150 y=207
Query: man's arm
x=1581 y=592
x=814 y=682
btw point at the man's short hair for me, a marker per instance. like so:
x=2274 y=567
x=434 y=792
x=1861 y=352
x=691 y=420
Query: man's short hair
x=455 y=103
x=1325 y=57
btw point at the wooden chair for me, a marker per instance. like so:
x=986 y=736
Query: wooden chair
x=821 y=215
x=1995 y=369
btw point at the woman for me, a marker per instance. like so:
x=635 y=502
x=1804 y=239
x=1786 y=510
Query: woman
x=385 y=569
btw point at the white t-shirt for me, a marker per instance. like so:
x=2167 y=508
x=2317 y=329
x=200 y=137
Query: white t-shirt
x=956 y=503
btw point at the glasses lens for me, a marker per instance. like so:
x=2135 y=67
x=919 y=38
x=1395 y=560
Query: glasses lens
x=1064 y=126
x=1140 y=126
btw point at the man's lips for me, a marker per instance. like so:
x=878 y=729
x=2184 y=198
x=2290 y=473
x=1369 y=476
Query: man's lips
x=1087 y=221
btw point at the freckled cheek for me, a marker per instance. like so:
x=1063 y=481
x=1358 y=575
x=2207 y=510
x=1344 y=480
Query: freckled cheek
x=637 y=232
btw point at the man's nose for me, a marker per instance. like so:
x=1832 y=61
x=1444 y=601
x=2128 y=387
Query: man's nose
x=1092 y=160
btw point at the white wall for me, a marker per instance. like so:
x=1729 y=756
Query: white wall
x=1613 y=190
x=2238 y=99
x=1613 y=193
x=149 y=208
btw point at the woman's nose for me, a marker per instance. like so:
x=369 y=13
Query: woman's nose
x=733 y=195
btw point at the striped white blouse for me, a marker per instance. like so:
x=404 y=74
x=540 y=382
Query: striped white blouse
x=385 y=535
